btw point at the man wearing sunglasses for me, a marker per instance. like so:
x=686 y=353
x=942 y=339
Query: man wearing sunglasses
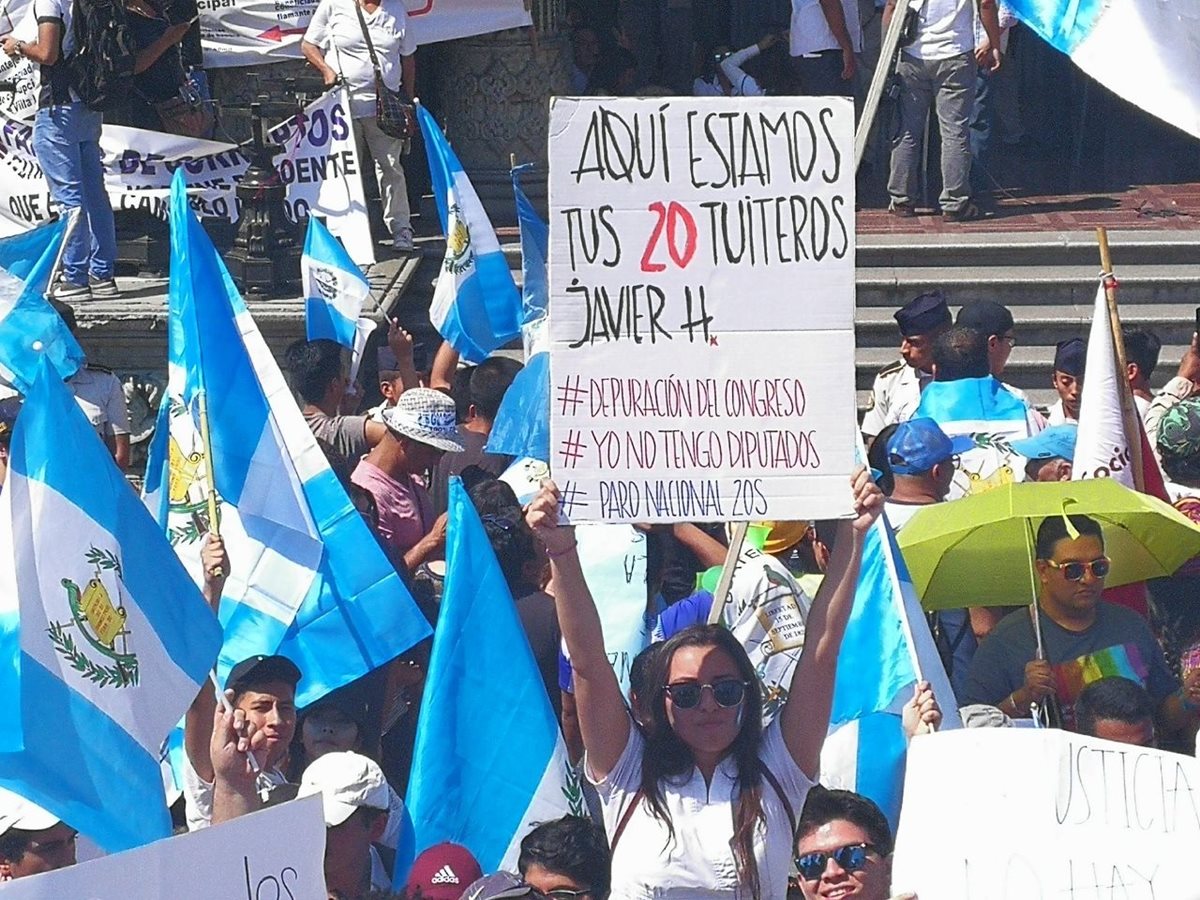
x=1084 y=639
x=567 y=859
x=843 y=848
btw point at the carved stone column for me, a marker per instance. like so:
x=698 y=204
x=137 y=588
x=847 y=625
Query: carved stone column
x=495 y=95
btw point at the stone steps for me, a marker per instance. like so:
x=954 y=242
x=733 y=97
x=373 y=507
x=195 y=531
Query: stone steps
x=1048 y=280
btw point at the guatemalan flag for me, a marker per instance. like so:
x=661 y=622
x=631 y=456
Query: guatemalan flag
x=522 y=425
x=990 y=414
x=1142 y=50
x=30 y=329
x=335 y=289
x=886 y=650
x=307 y=578
x=475 y=307
x=104 y=639
x=489 y=761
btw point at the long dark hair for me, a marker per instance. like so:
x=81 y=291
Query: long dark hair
x=666 y=756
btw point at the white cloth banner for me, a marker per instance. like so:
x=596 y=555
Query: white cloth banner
x=1058 y=815
x=319 y=166
x=702 y=308
x=278 y=852
x=250 y=32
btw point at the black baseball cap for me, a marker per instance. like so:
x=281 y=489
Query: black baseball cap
x=262 y=669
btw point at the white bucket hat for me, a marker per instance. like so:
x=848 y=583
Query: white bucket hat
x=427 y=416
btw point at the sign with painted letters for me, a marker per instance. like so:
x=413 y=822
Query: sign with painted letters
x=702 y=308
x=1048 y=815
x=276 y=854
x=320 y=168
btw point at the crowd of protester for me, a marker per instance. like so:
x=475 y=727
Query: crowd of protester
x=702 y=730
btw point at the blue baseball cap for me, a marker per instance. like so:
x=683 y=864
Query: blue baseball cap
x=920 y=444
x=1055 y=442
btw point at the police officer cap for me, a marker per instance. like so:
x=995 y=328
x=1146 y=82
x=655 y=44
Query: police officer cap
x=1069 y=357
x=923 y=314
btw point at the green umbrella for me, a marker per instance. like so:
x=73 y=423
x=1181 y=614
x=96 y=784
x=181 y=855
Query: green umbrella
x=979 y=551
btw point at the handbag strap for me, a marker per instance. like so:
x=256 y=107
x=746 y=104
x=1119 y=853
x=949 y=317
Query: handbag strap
x=787 y=804
x=625 y=817
x=362 y=20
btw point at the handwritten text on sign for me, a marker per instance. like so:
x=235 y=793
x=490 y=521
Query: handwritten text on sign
x=702 y=300
x=1056 y=815
x=276 y=854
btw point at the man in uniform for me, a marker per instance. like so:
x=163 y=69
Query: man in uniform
x=897 y=388
x=100 y=395
x=1069 y=358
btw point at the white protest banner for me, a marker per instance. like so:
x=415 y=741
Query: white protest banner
x=269 y=855
x=250 y=32
x=18 y=94
x=319 y=166
x=1046 y=814
x=702 y=307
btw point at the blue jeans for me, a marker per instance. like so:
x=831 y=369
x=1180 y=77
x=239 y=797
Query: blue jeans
x=66 y=140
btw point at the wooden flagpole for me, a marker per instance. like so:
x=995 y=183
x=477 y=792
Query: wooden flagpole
x=1129 y=413
x=214 y=526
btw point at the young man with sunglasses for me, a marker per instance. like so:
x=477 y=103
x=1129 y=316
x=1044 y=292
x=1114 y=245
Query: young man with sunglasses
x=567 y=859
x=843 y=847
x=1084 y=638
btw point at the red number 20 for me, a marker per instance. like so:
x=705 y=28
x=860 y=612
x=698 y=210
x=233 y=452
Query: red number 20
x=670 y=217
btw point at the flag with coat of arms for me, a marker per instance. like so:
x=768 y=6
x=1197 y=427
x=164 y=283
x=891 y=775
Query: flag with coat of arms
x=104 y=638
x=307 y=579
x=476 y=306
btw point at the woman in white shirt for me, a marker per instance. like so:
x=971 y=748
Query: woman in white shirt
x=335 y=35
x=702 y=804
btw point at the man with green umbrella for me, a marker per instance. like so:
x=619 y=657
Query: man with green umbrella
x=1083 y=638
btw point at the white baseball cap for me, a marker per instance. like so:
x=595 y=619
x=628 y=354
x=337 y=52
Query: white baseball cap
x=346 y=781
x=17 y=812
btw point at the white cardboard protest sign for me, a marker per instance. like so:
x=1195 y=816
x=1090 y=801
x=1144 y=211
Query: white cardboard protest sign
x=702 y=307
x=319 y=166
x=1048 y=814
x=276 y=854
x=250 y=32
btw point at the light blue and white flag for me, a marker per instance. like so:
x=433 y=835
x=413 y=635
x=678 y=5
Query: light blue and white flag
x=522 y=425
x=991 y=415
x=29 y=326
x=475 y=306
x=535 y=251
x=887 y=648
x=1141 y=50
x=489 y=761
x=104 y=639
x=334 y=287
x=307 y=578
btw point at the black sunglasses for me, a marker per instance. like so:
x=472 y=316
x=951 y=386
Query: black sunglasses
x=851 y=858
x=1073 y=571
x=686 y=695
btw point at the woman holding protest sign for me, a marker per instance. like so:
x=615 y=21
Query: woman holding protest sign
x=371 y=50
x=704 y=803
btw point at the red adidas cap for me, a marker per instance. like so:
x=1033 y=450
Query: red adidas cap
x=443 y=872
